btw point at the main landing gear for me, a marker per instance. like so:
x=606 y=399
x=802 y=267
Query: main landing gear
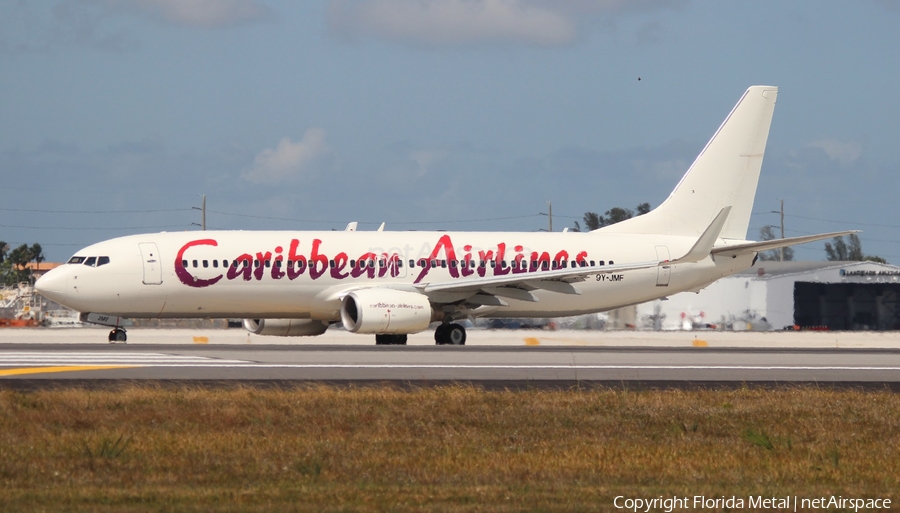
x=117 y=335
x=450 y=334
x=390 y=340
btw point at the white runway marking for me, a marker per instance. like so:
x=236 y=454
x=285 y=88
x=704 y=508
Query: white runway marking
x=28 y=359
x=525 y=367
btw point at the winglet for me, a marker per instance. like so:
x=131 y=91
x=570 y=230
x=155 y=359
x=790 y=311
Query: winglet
x=704 y=245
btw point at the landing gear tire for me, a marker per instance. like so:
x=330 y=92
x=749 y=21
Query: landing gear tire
x=450 y=334
x=390 y=340
x=117 y=335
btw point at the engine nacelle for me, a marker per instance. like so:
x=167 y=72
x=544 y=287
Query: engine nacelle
x=385 y=311
x=285 y=327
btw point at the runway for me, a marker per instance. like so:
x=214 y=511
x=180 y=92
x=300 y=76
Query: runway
x=38 y=365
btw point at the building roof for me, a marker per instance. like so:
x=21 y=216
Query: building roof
x=42 y=266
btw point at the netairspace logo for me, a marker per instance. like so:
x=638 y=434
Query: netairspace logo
x=753 y=502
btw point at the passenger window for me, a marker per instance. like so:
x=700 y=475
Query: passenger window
x=331 y=263
x=592 y=263
x=278 y=264
x=269 y=263
x=601 y=262
x=205 y=264
x=444 y=264
x=195 y=264
x=412 y=263
x=90 y=261
x=76 y=260
x=256 y=263
x=246 y=263
x=102 y=261
x=224 y=263
x=611 y=262
x=352 y=264
x=216 y=263
x=184 y=263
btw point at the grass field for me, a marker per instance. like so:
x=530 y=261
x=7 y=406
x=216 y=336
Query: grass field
x=455 y=448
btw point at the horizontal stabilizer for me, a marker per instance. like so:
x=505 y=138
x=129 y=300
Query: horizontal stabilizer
x=752 y=247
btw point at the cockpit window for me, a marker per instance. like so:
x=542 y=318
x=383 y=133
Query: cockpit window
x=102 y=260
x=76 y=260
x=91 y=261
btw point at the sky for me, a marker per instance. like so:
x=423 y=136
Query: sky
x=116 y=116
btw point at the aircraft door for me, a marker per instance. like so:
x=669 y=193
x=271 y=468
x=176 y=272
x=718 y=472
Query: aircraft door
x=151 y=261
x=662 y=272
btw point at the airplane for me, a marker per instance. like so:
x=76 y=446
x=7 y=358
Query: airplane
x=393 y=284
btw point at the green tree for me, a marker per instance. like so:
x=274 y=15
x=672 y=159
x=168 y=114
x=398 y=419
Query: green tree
x=773 y=255
x=3 y=247
x=849 y=251
x=14 y=268
x=593 y=220
x=37 y=253
x=20 y=256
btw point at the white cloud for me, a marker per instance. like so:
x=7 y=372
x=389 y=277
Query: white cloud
x=457 y=22
x=199 y=13
x=452 y=21
x=425 y=159
x=839 y=151
x=288 y=159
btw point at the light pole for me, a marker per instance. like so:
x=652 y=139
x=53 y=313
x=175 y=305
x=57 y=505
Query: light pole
x=549 y=215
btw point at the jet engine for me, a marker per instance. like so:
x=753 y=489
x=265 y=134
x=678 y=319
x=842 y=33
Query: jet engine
x=285 y=327
x=385 y=311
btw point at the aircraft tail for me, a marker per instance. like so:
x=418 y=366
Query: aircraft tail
x=725 y=174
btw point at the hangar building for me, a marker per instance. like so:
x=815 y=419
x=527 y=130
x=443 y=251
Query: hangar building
x=775 y=295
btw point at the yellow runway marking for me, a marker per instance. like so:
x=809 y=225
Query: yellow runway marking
x=67 y=368
x=532 y=341
x=201 y=340
x=700 y=343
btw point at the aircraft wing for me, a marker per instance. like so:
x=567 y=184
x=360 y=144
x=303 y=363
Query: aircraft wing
x=752 y=247
x=519 y=286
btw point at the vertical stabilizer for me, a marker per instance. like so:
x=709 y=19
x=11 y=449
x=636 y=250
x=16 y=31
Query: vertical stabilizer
x=725 y=174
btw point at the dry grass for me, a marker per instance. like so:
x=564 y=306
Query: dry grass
x=435 y=449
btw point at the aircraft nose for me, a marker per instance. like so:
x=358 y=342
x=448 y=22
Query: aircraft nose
x=52 y=285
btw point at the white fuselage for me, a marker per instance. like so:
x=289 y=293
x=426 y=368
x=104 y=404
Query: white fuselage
x=193 y=274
